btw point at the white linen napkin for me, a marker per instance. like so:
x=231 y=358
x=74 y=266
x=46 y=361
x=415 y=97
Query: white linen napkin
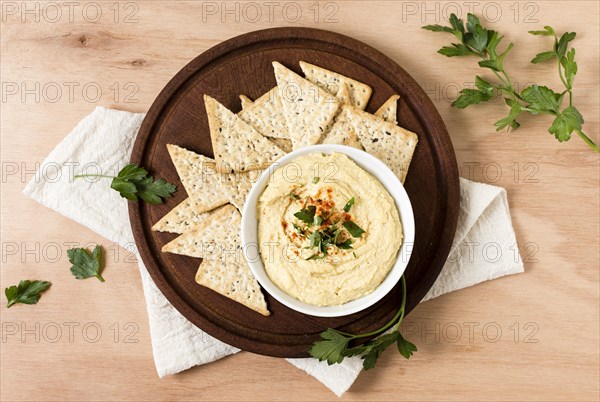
x=102 y=143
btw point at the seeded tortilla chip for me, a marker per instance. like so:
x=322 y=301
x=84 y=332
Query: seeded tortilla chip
x=200 y=178
x=342 y=132
x=184 y=217
x=266 y=115
x=392 y=144
x=308 y=108
x=331 y=82
x=284 y=143
x=233 y=280
x=245 y=101
x=389 y=110
x=237 y=146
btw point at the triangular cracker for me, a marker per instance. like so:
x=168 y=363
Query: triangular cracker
x=384 y=140
x=211 y=238
x=224 y=269
x=342 y=132
x=207 y=187
x=199 y=177
x=266 y=115
x=238 y=185
x=185 y=216
x=343 y=93
x=245 y=101
x=389 y=109
x=237 y=146
x=284 y=143
x=308 y=108
x=331 y=81
x=233 y=280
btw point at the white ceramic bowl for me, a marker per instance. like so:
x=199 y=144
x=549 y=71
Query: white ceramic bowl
x=382 y=173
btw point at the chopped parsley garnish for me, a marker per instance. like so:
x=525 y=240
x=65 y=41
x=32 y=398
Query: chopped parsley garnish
x=345 y=245
x=300 y=231
x=322 y=230
x=307 y=215
x=353 y=228
x=293 y=196
x=315 y=180
x=349 y=205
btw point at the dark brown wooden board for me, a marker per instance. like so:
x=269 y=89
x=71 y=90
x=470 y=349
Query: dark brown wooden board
x=242 y=65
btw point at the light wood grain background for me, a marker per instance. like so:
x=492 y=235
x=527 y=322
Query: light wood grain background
x=548 y=347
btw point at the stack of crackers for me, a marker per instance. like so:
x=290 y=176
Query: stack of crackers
x=323 y=107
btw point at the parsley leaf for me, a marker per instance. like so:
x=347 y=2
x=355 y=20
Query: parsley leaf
x=543 y=57
x=570 y=67
x=548 y=31
x=353 y=228
x=315 y=239
x=477 y=38
x=376 y=348
x=331 y=348
x=405 y=347
x=565 y=123
x=469 y=96
x=540 y=99
x=300 y=231
x=455 y=50
x=153 y=191
x=438 y=28
x=346 y=245
x=315 y=180
x=510 y=120
x=85 y=265
x=318 y=220
x=349 y=204
x=27 y=292
x=561 y=46
x=307 y=215
x=133 y=182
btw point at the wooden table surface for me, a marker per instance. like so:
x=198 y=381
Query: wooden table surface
x=529 y=336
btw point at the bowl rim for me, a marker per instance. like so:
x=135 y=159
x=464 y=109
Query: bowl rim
x=373 y=166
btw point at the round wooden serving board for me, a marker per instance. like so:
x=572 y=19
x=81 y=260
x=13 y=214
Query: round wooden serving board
x=242 y=65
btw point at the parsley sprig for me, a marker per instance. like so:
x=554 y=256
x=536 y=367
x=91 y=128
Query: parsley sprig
x=534 y=99
x=334 y=345
x=133 y=182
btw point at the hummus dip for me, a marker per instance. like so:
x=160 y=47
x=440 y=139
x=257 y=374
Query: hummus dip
x=328 y=231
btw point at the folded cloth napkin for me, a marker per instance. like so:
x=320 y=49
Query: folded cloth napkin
x=102 y=143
